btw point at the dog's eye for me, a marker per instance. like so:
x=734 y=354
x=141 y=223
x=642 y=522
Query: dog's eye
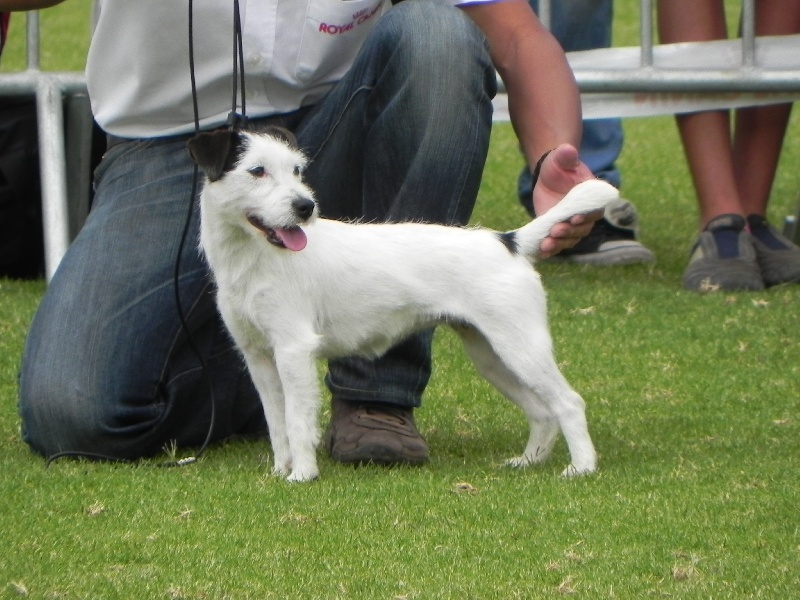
x=257 y=171
x=298 y=171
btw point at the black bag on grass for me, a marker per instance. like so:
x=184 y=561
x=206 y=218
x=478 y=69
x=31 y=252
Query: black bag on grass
x=21 y=237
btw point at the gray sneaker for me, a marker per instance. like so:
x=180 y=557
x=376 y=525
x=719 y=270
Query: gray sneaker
x=778 y=258
x=723 y=258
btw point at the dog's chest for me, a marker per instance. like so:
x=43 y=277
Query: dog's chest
x=366 y=336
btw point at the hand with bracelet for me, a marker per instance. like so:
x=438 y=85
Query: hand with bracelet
x=544 y=104
x=556 y=172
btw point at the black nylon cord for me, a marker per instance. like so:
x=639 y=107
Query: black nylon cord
x=235 y=120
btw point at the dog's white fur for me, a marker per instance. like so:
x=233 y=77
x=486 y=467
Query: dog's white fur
x=360 y=288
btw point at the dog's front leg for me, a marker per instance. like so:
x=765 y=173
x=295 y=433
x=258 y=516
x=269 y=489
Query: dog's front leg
x=297 y=369
x=265 y=377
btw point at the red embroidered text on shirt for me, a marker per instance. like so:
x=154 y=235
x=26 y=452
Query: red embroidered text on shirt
x=358 y=19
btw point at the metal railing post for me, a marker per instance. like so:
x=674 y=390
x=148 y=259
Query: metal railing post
x=545 y=13
x=52 y=167
x=32 y=39
x=646 y=33
x=748 y=33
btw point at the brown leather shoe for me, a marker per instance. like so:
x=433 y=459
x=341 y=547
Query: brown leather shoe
x=374 y=433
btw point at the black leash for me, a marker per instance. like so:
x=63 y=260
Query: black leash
x=236 y=120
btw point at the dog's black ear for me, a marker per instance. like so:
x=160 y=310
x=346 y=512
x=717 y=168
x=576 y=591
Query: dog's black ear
x=216 y=152
x=282 y=134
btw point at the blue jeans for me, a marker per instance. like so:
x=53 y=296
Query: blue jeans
x=108 y=368
x=585 y=25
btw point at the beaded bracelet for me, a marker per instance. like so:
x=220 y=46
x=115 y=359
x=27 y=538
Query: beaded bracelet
x=537 y=168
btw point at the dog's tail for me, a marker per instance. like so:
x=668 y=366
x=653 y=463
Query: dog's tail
x=586 y=197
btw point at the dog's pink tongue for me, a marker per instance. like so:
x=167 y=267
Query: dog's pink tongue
x=293 y=238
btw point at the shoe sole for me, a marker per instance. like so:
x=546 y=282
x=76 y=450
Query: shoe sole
x=727 y=276
x=374 y=453
x=611 y=254
x=377 y=455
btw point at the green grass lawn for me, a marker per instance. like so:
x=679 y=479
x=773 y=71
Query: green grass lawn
x=692 y=401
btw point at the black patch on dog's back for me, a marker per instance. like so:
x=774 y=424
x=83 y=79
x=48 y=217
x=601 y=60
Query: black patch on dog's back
x=509 y=240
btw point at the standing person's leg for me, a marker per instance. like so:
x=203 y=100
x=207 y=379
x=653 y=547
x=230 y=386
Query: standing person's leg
x=107 y=368
x=757 y=145
x=706 y=136
x=723 y=256
x=759 y=132
x=403 y=137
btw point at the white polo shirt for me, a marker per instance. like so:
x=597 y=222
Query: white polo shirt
x=294 y=50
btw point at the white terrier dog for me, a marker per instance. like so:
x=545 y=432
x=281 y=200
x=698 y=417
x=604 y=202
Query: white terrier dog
x=293 y=288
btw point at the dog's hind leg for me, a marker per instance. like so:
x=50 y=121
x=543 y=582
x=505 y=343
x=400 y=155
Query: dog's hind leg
x=542 y=423
x=570 y=411
x=520 y=365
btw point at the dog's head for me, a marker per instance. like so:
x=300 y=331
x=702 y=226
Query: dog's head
x=256 y=180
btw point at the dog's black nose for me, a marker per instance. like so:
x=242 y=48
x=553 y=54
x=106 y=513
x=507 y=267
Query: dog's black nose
x=303 y=207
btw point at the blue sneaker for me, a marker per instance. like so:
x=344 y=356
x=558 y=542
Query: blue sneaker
x=777 y=257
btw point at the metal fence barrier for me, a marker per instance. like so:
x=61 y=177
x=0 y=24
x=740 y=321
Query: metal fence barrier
x=626 y=82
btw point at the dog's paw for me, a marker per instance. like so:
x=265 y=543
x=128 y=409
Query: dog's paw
x=282 y=466
x=573 y=471
x=302 y=475
x=530 y=457
x=280 y=471
x=518 y=462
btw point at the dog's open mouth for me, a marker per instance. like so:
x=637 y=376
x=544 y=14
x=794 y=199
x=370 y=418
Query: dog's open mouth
x=291 y=238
